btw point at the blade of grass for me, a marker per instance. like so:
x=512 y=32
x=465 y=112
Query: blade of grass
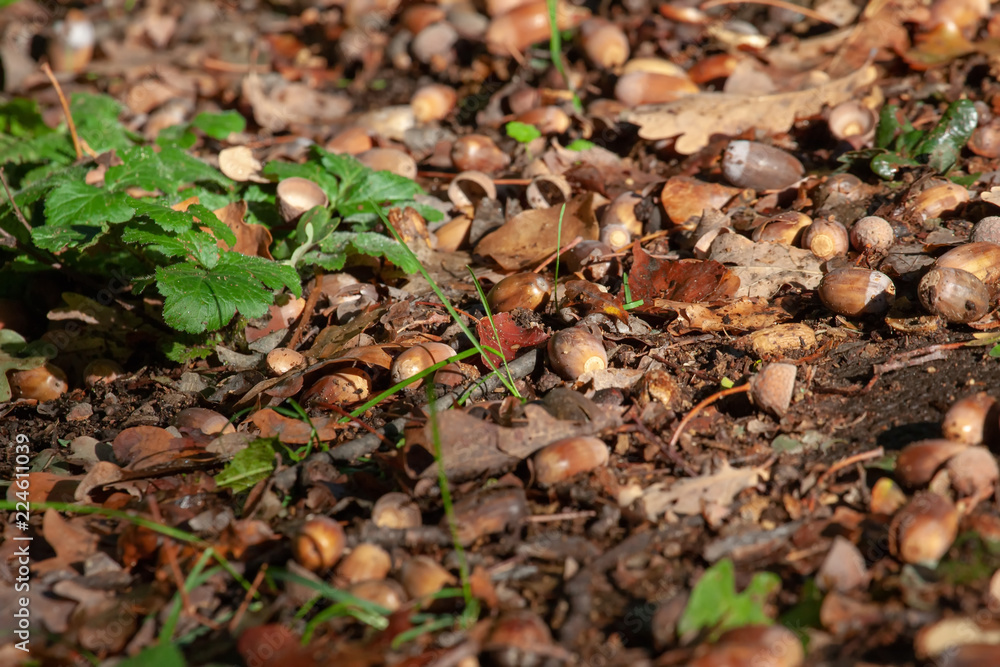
x=471 y=612
x=489 y=316
x=555 y=279
x=362 y=610
x=555 y=51
x=444 y=300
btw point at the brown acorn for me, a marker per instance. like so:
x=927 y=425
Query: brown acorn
x=387 y=593
x=872 y=233
x=972 y=420
x=396 y=510
x=783 y=228
x=548 y=119
x=433 y=102
x=366 y=562
x=937 y=200
x=422 y=577
x=280 y=360
x=749 y=164
x=974 y=472
x=389 y=159
x=604 y=43
x=954 y=294
x=925 y=529
x=917 y=462
x=519 y=290
x=477 y=152
x=297 y=195
x=772 y=387
x=637 y=88
x=573 y=352
x=417 y=359
x=319 y=543
x=569 y=457
x=987 y=229
x=102 y=371
x=855 y=292
x=825 y=238
x=980 y=259
x=490 y=511
x=43 y=383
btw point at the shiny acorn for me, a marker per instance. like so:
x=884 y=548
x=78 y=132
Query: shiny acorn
x=102 y=371
x=638 y=88
x=433 y=102
x=604 y=43
x=43 y=383
x=954 y=294
x=854 y=292
x=548 y=119
x=918 y=462
x=749 y=164
x=386 y=593
x=979 y=258
x=573 y=352
x=568 y=458
x=924 y=529
x=396 y=510
x=972 y=420
x=527 y=24
x=519 y=290
x=297 y=195
x=477 y=152
x=786 y=228
x=417 y=359
x=422 y=577
x=366 y=562
x=319 y=543
x=974 y=472
x=937 y=200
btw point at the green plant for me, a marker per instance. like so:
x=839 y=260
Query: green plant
x=898 y=144
x=715 y=605
x=555 y=50
x=522 y=132
x=124 y=218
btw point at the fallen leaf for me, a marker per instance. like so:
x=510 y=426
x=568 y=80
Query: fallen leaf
x=685 y=197
x=764 y=268
x=514 y=336
x=251 y=239
x=741 y=315
x=696 y=495
x=531 y=236
x=293 y=431
x=71 y=541
x=695 y=119
x=687 y=281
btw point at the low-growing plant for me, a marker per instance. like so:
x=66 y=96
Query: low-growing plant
x=715 y=606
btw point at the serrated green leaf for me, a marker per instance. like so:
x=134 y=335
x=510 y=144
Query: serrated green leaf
x=96 y=118
x=522 y=132
x=178 y=136
x=381 y=187
x=348 y=170
x=580 y=145
x=192 y=244
x=220 y=125
x=57 y=148
x=160 y=654
x=57 y=239
x=370 y=243
x=165 y=217
x=198 y=299
x=76 y=203
x=248 y=466
x=210 y=220
x=182 y=353
x=166 y=170
x=21 y=118
x=888 y=126
x=715 y=604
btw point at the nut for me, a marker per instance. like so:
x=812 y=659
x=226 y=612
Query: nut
x=519 y=290
x=102 y=371
x=387 y=594
x=588 y=259
x=548 y=120
x=917 y=462
x=519 y=639
x=872 y=234
x=569 y=457
x=280 y=360
x=938 y=199
x=389 y=159
x=204 y=420
x=396 y=510
x=43 y=383
x=784 y=228
x=713 y=68
x=344 y=387
x=318 y=544
x=433 y=102
x=621 y=211
x=925 y=529
x=422 y=577
x=435 y=45
x=987 y=229
x=772 y=387
x=418 y=359
x=985 y=141
x=297 y=195
x=825 y=238
x=854 y=292
x=782 y=338
x=491 y=511
x=980 y=259
x=749 y=164
x=637 y=88
x=547 y=190
x=366 y=562
x=974 y=472
x=528 y=24
x=954 y=294
x=477 y=152
x=972 y=420
x=573 y=352
x=604 y=43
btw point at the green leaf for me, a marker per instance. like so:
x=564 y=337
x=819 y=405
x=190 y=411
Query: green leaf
x=580 y=145
x=198 y=298
x=166 y=170
x=995 y=351
x=96 y=118
x=21 y=118
x=177 y=136
x=208 y=219
x=310 y=171
x=381 y=187
x=522 y=132
x=220 y=125
x=714 y=603
x=945 y=142
x=887 y=165
x=165 y=217
x=888 y=126
x=76 y=203
x=248 y=466
x=192 y=244
x=57 y=239
x=160 y=654
x=335 y=248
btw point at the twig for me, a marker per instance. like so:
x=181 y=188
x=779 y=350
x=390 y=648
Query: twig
x=780 y=4
x=69 y=118
x=742 y=389
x=307 y=311
x=840 y=465
x=353 y=420
x=670 y=451
x=17 y=209
x=548 y=260
x=238 y=616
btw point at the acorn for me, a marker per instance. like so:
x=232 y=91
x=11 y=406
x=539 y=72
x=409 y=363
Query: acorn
x=772 y=387
x=417 y=17
x=954 y=294
x=825 y=239
x=782 y=338
x=783 y=228
x=616 y=236
x=548 y=190
x=366 y=562
x=318 y=544
x=389 y=159
x=639 y=88
x=843 y=188
x=753 y=645
x=987 y=229
x=886 y=497
x=296 y=196
x=454 y=234
x=355 y=139
x=527 y=24
x=422 y=577
x=568 y=458
x=204 y=420
x=493 y=510
x=654 y=66
x=980 y=259
x=588 y=258
x=72 y=44
x=548 y=119
x=973 y=472
x=43 y=383
x=433 y=102
x=972 y=420
x=573 y=352
x=280 y=360
x=386 y=593
x=843 y=569
x=604 y=43
x=396 y=510
x=854 y=292
x=925 y=529
x=749 y=164
x=713 y=68
x=985 y=140
x=519 y=639
x=418 y=358
x=938 y=199
x=435 y=45
x=346 y=386
x=102 y=371
x=621 y=211
x=470 y=24
x=519 y=290
x=872 y=234
x=477 y=152
x=918 y=462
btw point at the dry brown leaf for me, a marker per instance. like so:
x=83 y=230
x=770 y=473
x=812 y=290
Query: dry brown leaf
x=699 y=494
x=532 y=236
x=251 y=239
x=741 y=315
x=685 y=197
x=294 y=431
x=239 y=164
x=70 y=539
x=696 y=118
x=763 y=268
x=282 y=103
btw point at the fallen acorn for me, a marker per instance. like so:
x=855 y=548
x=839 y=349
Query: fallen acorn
x=954 y=294
x=296 y=196
x=972 y=420
x=42 y=383
x=101 y=371
x=604 y=43
x=418 y=359
x=772 y=387
x=433 y=102
x=396 y=510
x=477 y=152
x=981 y=259
x=422 y=577
x=872 y=234
x=386 y=593
x=749 y=164
x=973 y=472
x=924 y=529
x=568 y=458
x=519 y=290
x=366 y=562
x=280 y=360
x=573 y=352
x=318 y=544
x=855 y=292
x=917 y=462
x=825 y=238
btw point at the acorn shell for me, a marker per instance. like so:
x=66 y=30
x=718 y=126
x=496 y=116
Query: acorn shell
x=772 y=387
x=569 y=457
x=954 y=294
x=749 y=164
x=855 y=292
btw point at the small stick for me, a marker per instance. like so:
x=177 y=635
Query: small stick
x=670 y=451
x=840 y=465
x=561 y=516
x=548 y=260
x=307 y=311
x=742 y=389
x=780 y=4
x=69 y=118
x=238 y=616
